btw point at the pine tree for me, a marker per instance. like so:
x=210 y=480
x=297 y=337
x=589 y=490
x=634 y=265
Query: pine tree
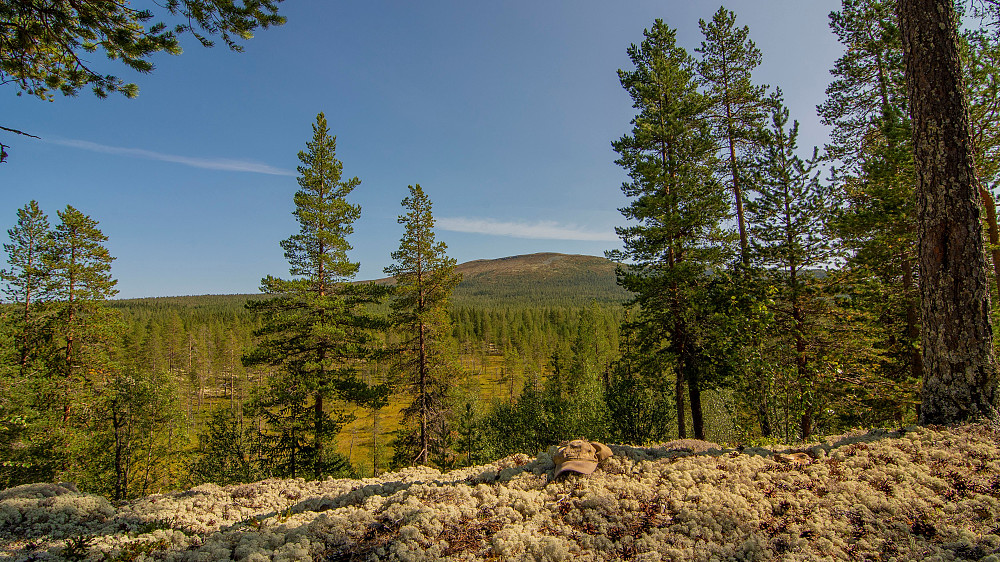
x=868 y=95
x=738 y=111
x=981 y=63
x=425 y=277
x=46 y=44
x=315 y=329
x=30 y=243
x=738 y=107
x=676 y=202
x=80 y=280
x=21 y=340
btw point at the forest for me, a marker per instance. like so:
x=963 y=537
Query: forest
x=767 y=293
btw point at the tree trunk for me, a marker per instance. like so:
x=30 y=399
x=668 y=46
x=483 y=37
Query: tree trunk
x=318 y=428
x=67 y=404
x=912 y=321
x=762 y=416
x=679 y=394
x=374 y=442
x=801 y=368
x=694 y=393
x=26 y=334
x=956 y=337
x=679 y=380
x=120 y=477
x=737 y=188
x=994 y=233
x=424 y=402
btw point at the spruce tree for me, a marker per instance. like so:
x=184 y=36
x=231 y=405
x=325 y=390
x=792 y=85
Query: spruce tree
x=677 y=206
x=738 y=107
x=316 y=329
x=582 y=411
x=425 y=277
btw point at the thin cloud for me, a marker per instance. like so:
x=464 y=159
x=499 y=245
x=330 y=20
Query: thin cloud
x=224 y=164
x=541 y=230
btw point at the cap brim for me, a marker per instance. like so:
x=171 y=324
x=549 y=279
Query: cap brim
x=603 y=451
x=583 y=467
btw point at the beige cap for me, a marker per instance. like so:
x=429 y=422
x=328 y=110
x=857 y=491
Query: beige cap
x=580 y=456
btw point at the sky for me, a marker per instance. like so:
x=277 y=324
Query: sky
x=504 y=112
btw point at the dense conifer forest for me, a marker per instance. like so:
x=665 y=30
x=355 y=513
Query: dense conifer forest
x=765 y=292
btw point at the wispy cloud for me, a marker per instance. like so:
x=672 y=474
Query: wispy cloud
x=542 y=230
x=224 y=164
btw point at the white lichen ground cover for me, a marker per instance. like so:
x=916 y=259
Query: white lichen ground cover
x=919 y=494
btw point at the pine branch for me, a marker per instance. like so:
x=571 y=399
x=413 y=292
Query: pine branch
x=15 y=131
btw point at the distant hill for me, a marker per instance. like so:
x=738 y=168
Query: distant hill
x=540 y=279
x=544 y=279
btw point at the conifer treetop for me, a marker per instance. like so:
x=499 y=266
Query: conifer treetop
x=318 y=253
x=30 y=241
x=729 y=57
x=81 y=263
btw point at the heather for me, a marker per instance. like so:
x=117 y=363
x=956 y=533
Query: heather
x=929 y=493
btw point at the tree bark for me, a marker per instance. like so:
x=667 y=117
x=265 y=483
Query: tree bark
x=318 y=428
x=957 y=340
x=694 y=394
x=679 y=396
x=680 y=376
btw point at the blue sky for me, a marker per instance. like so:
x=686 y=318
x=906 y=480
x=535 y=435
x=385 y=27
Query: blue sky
x=504 y=112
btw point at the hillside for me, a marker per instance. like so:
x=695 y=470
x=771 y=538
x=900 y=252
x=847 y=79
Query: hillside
x=538 y=279
x=541 y=279
x=915 y=494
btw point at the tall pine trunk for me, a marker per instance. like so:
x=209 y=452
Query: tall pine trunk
x=957 y=340
x=737 y=188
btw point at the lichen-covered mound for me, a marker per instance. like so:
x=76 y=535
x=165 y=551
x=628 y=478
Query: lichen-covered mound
x=919 y=494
